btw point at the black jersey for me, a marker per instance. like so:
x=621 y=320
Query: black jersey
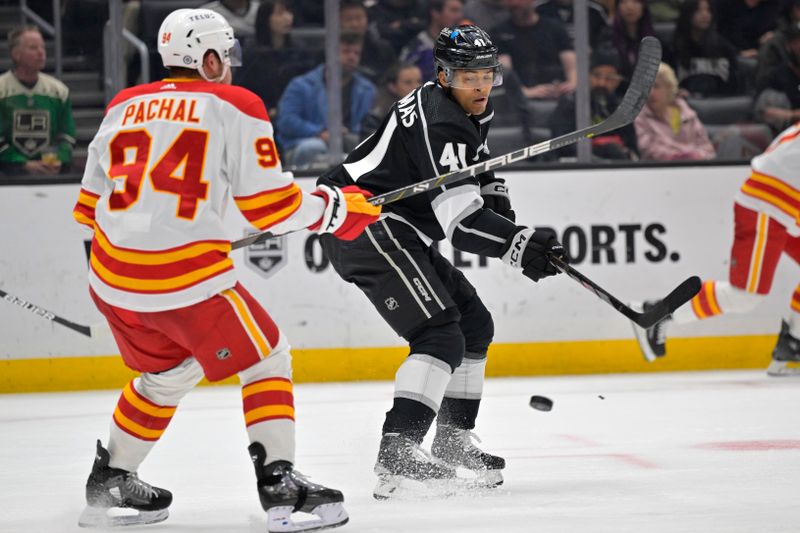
x=424 y=135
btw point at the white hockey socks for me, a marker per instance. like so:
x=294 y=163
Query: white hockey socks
x=422 y=378
x=268 y=404
x=144 y=410
x=466 y=383
x=716 y=298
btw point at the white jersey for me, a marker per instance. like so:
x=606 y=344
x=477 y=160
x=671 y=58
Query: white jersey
x=774 y=183
x=159 y=173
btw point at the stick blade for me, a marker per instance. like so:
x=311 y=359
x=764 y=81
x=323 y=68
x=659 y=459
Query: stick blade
x=679 y=296
x=644 y=75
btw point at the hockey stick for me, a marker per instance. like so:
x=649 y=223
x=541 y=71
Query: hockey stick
x=661 y=310
x=635 y=97
x=90 y=331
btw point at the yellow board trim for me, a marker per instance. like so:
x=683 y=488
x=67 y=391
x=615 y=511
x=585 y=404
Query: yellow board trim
x=362 y=364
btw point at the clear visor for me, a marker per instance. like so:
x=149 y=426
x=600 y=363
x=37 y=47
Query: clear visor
x=235 y=54
x=474 y=79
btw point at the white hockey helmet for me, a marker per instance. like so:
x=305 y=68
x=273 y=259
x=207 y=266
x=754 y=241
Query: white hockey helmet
x=187 y=34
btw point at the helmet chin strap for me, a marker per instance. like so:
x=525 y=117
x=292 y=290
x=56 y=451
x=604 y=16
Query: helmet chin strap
x=225 y=68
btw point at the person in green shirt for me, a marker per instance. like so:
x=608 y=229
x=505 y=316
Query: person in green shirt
x=37 y=131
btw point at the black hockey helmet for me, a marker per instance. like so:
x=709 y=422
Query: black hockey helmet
x=466 y=47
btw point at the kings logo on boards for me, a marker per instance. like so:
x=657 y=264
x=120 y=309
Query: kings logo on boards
x=267 y=257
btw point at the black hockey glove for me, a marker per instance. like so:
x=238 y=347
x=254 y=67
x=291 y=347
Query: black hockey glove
x=495 y=197
x=531 y=251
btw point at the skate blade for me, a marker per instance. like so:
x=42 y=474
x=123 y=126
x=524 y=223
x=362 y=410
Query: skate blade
x=488 y=479
x=783 y=368
x=402 y=488
x=119 y=517
x=325 y=516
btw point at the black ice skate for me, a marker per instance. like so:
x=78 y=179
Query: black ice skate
x=117 y=497
x=652 y=341
x=786 y=355
x=401 y=458
x=455 y=447
x=284 y=491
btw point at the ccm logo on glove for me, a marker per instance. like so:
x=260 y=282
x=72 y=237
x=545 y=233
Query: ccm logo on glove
x=531 y=251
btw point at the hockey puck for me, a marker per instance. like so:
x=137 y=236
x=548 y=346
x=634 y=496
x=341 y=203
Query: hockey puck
x=541 y=403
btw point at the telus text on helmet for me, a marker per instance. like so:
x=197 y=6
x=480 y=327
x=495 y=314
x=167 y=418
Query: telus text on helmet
x=202 y=16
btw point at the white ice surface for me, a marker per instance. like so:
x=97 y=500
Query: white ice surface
x=699 y=452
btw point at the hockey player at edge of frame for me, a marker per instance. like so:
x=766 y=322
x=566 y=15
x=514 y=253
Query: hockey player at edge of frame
x=439 y=127
x=161 y=274
x=766 y=214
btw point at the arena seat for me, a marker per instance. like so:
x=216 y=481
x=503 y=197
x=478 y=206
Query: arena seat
x=503 y=140
x=739 y=141
x=723 y=110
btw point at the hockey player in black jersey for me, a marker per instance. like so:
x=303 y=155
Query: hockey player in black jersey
x=439 y=127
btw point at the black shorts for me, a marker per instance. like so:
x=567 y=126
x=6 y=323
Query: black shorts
x=406 y=280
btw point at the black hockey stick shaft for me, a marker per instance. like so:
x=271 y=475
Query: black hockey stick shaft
x=44 y=313
x=635 y=97
x=665 y=307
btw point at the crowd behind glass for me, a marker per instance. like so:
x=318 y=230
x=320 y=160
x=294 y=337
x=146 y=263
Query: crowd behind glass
x=728 y=83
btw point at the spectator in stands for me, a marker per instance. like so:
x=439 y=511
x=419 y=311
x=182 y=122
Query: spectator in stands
x=668 y=129
x=631 y=24
x=419 y=51
x=37 y=131
x=538 y=50
x=272 y=59
x=774 y=51
x=778 y=101
x=704 y=61
x=604 y=79
x=486 y=13
x=599 y=29
x=401 y=79
x=302 y=124
x=377 y=54
x=240 y=14
x=397 y=21
x=747 y=24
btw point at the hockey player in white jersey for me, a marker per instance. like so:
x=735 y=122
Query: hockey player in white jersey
x=767 y=225
x=158 y=178
x=439 y=127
